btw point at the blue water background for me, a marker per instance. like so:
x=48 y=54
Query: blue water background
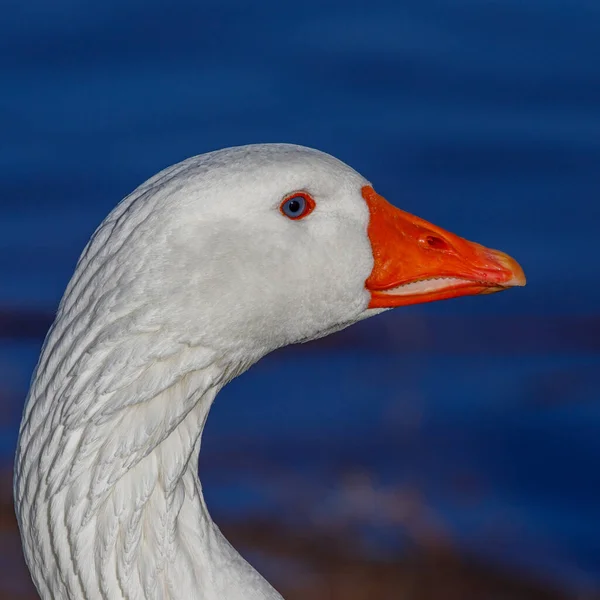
x=481 y=116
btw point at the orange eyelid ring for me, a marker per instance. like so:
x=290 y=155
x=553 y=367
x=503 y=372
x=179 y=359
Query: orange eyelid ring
x=416 y=261
x=297 y=205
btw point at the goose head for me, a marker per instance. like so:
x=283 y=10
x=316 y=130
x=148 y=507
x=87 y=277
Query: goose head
x=193 y=277
x=257 y=247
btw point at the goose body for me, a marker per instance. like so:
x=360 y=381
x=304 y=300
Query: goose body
x=191 y=279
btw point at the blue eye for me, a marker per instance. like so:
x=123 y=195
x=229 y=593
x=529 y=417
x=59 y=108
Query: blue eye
x=293 y=207
x=297 y=205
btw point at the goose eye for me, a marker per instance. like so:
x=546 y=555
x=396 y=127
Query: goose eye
x=297 y=205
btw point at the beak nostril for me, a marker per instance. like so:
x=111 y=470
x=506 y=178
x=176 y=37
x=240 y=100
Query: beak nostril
x=436 y=243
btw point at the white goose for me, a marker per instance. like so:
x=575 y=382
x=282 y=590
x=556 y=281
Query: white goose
x=191 y=279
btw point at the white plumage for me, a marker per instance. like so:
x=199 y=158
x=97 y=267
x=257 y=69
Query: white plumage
x=188 y=282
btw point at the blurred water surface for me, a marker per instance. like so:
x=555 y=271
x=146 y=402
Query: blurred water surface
x=483 y=117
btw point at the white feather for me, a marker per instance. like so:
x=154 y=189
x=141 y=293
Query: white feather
x=189 y=281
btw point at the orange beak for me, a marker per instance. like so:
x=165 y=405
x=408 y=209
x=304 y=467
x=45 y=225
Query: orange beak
x=417 y=262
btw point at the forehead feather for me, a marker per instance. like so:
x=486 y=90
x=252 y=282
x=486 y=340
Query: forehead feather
x=238 y=175
x=277 y=165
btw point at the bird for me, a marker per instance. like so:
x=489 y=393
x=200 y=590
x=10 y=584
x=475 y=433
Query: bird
x=191 y=279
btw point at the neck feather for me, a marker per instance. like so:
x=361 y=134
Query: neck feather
x=107 y=493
